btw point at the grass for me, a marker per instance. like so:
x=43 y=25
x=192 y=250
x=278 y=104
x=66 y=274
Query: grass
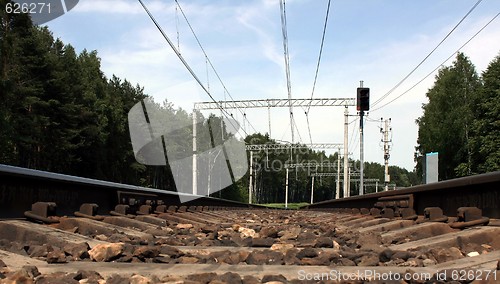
x=282 y=205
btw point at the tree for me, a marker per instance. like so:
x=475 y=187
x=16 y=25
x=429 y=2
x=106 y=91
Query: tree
x=445 y=126
x=486 y=127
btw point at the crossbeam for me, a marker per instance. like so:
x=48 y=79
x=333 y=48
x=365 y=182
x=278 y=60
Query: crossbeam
x=315 y=102
x=331 y=175
x=270 y=146
x=365 y=179
x=311 y=165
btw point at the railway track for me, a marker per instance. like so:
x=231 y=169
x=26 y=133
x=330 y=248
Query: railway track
x=62 y=229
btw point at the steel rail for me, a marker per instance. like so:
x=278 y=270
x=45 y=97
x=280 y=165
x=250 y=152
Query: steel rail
x=482 y=191
x=21 y=187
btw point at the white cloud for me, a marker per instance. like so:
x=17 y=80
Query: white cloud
x=120 y=6
x=254 y=19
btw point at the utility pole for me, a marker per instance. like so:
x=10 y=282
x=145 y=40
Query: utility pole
x=337 y=193
x=286 y=189
x=269 y=119
x=195 y=160
x=386 y=142
x=346 y=152
x=251 y=177
x=312 y=190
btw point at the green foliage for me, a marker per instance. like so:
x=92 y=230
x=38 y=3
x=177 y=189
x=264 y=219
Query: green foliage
x=59 y=112
x=486 y=128
x=270 y=175
x=461 y=120
x=445 y=126
x=292 y=206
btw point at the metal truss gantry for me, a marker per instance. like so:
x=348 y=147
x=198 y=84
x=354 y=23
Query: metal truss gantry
x=269 y=146
x=263 y=103
x=311 y=165
x=271 y=103
x=332 y=175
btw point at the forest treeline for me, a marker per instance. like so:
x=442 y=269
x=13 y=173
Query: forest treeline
x=270 y=174
x=461 y=121
x=60 y=113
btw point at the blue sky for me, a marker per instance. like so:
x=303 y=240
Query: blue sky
x=377 y=41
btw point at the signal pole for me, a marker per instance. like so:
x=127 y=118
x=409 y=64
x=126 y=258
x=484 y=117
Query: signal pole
x=361 y=148
x=346 y=153
x=363 y=104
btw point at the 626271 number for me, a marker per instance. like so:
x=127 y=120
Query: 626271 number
x=31 y=8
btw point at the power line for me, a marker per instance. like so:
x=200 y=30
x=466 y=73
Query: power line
x=432 y=72
x=308 y=127
x=317 y=69
x=428 y=55
x=181 y=58
x=184 y=62
x=320 y=53
x=354 y=132
x=208 y=59
x=287 y=60
x=298 y=133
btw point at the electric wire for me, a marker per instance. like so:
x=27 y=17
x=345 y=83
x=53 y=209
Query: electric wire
x=355 y=144
x=298 y=133
x=208 y=60
x=308 y=127
x=369 y=119
x=428 y=55
x=177 y=28
x=432 y=72
x=317 y=69
x=320 y=53
x=284 y=133
x=287 y=60
x=354 y=132
x=181 y=58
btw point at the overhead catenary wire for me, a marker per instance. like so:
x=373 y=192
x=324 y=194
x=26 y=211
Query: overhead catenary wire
x=426 y=57
x=184 y=62
x=208 y=60
x=177 y=28
x=308 y=127
x=317 y=70
x=439 y=66
x=319 y=55
x=353 y=133
x=298 y=132
x=287 y=61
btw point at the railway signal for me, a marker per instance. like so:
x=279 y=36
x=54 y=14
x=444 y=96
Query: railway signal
x=363 y=99
x=362 y=105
